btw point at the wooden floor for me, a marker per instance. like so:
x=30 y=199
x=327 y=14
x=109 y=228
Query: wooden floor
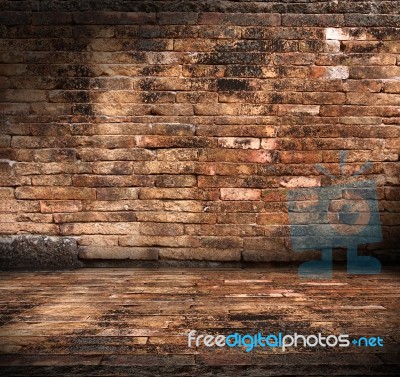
x=129 y=322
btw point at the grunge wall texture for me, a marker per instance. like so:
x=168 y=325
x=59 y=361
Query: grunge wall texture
x=171 y=130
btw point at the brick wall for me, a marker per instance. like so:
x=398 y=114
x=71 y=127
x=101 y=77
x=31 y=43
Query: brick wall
x=173 y=129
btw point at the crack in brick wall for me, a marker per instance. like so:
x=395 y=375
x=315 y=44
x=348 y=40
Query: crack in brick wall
x=172 y=130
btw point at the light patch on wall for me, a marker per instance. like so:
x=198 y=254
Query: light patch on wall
x=10 y=162
x=337 y=72
x=336 y=34
x=332 y=46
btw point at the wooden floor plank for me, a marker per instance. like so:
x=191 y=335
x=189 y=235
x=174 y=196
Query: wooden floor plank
x=121 y=322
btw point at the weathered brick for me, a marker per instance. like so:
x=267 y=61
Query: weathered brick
x=220 y=32
x=51 y=18
x=200 y=254
x=237 y=131
x=299 y=109
x=162 y=241
x=167 y=166
x=116 y=193
x=373 y=47
x=118 y=252
x=202 y=70
x=14 y=206
x=6 y=193
x=5 y=141
x=174 y=18
x=280 y=32
x=52 y=180
x=177 y=193
x=99 y=228
x=373 y=99
x=15 y=18
x=240 y=143
x=272 y=219
x=235 y=218
x=300 y=182
x=89 y=217
x=357 y=19
x=53 y=206
x=29 y=227
x=289 y=157
x=176 y=217
x=115 y=168
x=241 y=19
x=320 y=98
x=240 y=194
x=155 y=141
x=84 y=180
x=114 y=18
x=312 y=20
x=392 y=87
x=244 y=182
x=242 y=155
x=369 y=86
x=374 y=72
x=34 y=218
x=224 y=230
x=98 y=154
x=265 y=244
x=52 y=193
x=269 y=143
x=392 y=193
x=161 y=229
x=97 y=240
x=176 y=181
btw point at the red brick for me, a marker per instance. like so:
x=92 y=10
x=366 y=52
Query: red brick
x=273 y=219
x=238 y=155
x=235 y=218
x=301 y=182
x=99 y=228
x=118 y=252
x=31 y=228
x=240 y=143
x=51 y=192
x=51 y=18
x=161 y=229
x=240 y=19
x=116 y=193
x=312 y=20
x=114 y=18
x=173 y=142
x=84 y=180
x=374 y=72
x=176 y=217
x=287 y=157
x=6 y=193
x=200 y=254
x=178 y=193
x=240 y=194
x=52 y=206
x=88 y=217
x=176 y=181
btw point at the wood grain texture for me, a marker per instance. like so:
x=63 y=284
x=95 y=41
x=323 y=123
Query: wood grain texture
x=124 y=322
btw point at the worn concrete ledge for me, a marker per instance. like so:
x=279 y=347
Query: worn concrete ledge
x=30 y=252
